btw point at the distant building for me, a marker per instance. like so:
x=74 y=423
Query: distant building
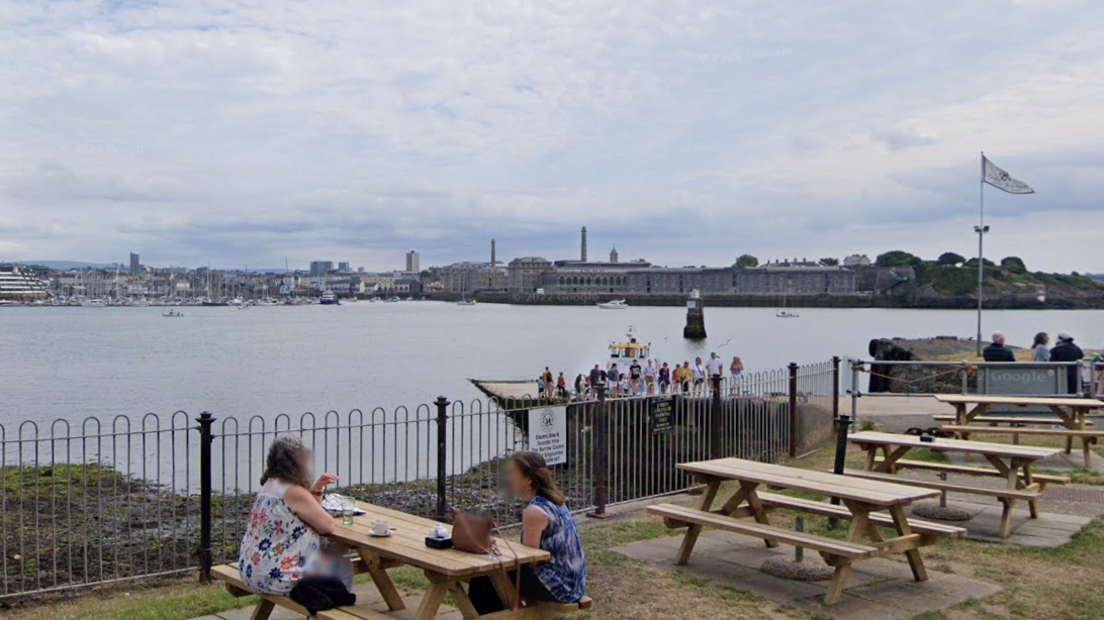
x=413 y=262
x=20 y=285
x=343 y=267
x=527 y=273
x=857 y=260
x=135 y=265
x=320 y=268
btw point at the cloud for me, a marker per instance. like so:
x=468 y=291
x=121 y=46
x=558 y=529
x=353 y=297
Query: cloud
x=682 y=132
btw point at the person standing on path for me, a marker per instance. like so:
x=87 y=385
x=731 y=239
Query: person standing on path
x=997 y=352
x=614 y=377
x=715 y=368
x=635 y=374
x=664 y=378
x=649 y=378
x=735 y=369
x=1040 y=352
x=561 y=386
x=698 y=375
x=1067 y=351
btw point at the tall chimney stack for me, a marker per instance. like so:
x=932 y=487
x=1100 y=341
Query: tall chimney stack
x=582 y=256
x=493 y=260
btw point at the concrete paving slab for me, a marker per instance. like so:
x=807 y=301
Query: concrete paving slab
x=880 y=589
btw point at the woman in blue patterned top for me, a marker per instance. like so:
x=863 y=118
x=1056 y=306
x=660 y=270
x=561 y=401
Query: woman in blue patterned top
x=548 y=525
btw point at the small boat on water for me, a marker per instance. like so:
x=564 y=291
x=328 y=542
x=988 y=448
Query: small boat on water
x=393 y=300
x=630 y=349
x=172 y=312
x=616 y=304
x=93 y=303
x=329 y=298
x=782 y=314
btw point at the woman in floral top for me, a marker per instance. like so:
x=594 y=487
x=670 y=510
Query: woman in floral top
x=546 y=524
x=281 y=542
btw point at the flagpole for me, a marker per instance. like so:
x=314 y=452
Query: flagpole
x=981 y=230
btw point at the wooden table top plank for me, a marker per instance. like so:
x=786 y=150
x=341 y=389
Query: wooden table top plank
x=407 y=544
x=954 y=445
x=824 y=483
x=984 y=399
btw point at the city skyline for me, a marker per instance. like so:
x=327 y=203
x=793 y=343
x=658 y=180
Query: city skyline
x=681 y=132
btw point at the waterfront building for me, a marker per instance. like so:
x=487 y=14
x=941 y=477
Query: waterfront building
x=320 y=268
x=526 y=274
x=413 y=262
x=21 y=285
x=468 y=278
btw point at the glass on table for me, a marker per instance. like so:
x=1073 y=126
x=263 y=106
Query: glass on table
x=348 y=509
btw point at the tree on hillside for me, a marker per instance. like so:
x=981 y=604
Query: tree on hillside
x=897 y=258
x=951 y=258
x=1014 y=264
x=747 y=260
x=829 y=262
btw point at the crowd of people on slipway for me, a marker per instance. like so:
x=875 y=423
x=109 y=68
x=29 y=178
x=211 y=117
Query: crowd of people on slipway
x=642 y=377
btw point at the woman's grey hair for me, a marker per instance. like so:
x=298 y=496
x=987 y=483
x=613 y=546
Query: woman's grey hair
x=286 y=460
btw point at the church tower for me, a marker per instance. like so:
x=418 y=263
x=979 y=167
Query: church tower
x=613 y=255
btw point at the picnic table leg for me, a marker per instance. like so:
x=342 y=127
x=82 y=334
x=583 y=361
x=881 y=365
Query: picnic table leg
x=756 y=508
x=1071 y=421
x=839 y=581
x=916 y=563
x=1028 y=480
x=263 y=610
x=859 y=525
x=889 y=462
x=1010 y=475
x=439 y=586
x=692 y=533
x=503 y=586
x=463 y=603
x=383 y=582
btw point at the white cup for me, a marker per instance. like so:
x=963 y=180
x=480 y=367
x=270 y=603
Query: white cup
x=438 y=531
x=381 y=528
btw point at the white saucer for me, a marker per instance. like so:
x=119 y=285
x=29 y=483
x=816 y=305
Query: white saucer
x=375 y=535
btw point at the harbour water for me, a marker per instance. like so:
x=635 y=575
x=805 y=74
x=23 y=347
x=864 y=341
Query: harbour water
x=71 y=363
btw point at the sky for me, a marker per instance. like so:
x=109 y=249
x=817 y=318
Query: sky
x=251 y=132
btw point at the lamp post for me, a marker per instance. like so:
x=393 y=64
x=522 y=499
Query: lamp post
x=980 y=230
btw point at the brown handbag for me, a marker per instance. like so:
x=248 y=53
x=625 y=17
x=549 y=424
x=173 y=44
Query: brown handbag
x=475 y=534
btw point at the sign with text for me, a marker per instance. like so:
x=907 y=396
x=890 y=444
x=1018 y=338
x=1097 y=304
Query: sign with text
x=548 y=434
x=1022 y=380
x=663 y=414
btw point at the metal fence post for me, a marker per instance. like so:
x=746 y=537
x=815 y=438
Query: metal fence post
x=442 y=453
x=601 y=454
x=856 y=367
x=206 y=438
x=715 y=435
x=835 y=385
x=843 y=423
x=793 y=409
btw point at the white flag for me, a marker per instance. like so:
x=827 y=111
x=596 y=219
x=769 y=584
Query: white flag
x=1002 y=180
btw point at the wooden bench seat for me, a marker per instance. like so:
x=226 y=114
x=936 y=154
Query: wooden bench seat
x=228 y=574
x=939 y=485
x=823 y=509
x=967 y=470
x=1004 y=430
x=986 y=419
x=829 y=546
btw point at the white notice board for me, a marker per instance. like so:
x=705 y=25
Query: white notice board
x=548 y=433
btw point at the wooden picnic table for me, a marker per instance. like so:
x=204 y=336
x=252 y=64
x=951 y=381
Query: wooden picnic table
x=861 y=499
x=446 y=569
x=1071 y=413
x=1012 y=462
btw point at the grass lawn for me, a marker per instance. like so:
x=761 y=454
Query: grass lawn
x=1038 y=583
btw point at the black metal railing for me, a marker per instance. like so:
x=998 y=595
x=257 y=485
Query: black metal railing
x=99 y=502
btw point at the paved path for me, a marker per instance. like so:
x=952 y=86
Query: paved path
x=877 y=590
